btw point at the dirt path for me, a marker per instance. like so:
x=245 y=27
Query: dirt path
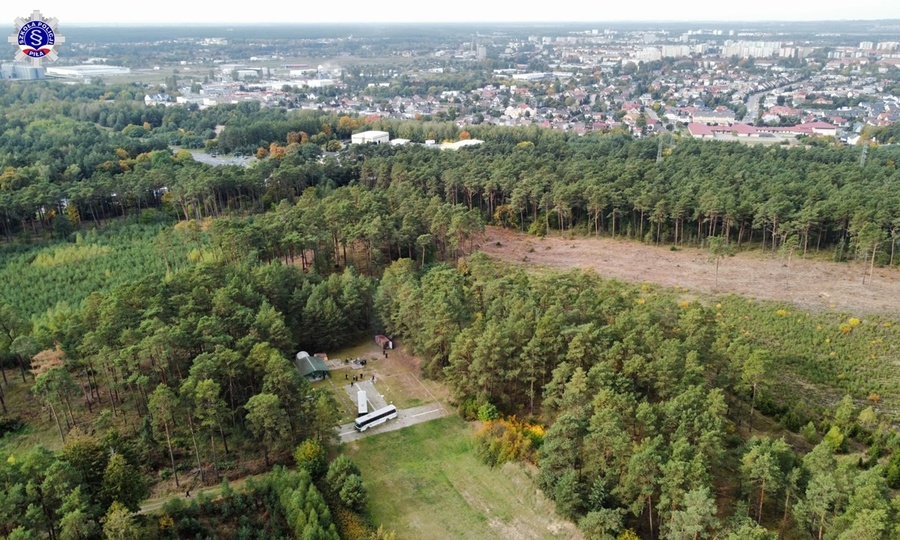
x=213 y=492
x=155 y=504
x=811 y=284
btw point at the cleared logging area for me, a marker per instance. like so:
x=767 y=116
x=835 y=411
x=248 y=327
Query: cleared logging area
x=813 y=284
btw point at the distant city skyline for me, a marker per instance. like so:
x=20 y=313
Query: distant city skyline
x=108 y=12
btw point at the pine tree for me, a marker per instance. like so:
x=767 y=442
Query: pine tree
x=122 y=482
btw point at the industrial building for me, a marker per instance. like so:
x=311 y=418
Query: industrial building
x=21 y=72
x=373 y=137
x=87 y=71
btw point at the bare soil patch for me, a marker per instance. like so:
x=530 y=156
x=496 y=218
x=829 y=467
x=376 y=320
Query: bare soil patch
x=817 y=285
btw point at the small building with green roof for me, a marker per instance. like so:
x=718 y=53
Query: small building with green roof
x=311 y=367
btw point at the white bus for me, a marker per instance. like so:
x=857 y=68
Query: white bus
x=376 y=418
x=362 y=405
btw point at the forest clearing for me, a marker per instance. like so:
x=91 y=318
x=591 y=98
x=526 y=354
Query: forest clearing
x=396 y=379
x=808 y=283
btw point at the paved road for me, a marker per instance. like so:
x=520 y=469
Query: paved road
x=405 y=418
x=375 y=399
x=753 y=101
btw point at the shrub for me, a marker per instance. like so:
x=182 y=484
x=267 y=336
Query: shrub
x=205 y=503
x=499 y=441
x=796 y=417
x=189 y=527
x=468 y=409
x=601 y=524
x=339 y=469
x=351 y=525
x=835 y=439
x=488 y=412
x=310 y=455
x=10 y=424
x=538 y=227
x=809 y=433
x=892 y=471
x=152 y=215
x=175 y=506
x=353 y=493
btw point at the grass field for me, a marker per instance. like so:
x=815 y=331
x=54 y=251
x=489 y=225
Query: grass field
x=425 y=483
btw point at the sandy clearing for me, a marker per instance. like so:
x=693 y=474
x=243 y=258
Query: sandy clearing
x=810 y=284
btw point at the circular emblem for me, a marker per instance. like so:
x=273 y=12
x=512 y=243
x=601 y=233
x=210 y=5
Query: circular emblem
x=36 y=38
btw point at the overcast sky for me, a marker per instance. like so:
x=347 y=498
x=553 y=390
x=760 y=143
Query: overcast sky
x=355 y=11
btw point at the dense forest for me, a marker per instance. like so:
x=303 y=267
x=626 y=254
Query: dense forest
x=657 y=191
x=154 y=305
x=181 y=375
x=649 y=401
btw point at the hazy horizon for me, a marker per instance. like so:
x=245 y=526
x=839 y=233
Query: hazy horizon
x=168 y=12
x=461 y=23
